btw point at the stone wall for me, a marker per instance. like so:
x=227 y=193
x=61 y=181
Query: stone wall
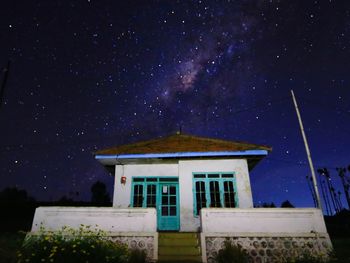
x=271 y=248
x=149 y=243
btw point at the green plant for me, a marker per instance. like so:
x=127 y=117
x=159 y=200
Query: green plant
x=137 y=256
x=72 y=245
x=308 y=257
x=231 y=253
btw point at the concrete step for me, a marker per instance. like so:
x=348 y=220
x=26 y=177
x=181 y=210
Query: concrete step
x=179 y=250
x=178 y=247
x=178 y=235
x=163 y=242
x=182 y=259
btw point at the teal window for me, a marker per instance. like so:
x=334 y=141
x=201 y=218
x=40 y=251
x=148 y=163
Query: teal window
x=214 y=190
x=144 y=190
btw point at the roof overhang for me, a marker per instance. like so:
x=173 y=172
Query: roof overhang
x=113 y=159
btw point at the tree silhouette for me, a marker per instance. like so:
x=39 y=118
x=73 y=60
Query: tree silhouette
x=345 y=182
x=13 y=195
x=287 y=204
x=17 y=210
x=99 y=194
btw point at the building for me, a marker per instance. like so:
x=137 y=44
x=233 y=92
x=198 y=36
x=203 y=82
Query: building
x=190 y=184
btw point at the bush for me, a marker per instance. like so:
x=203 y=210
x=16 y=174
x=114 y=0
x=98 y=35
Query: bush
x=137 y=256
x=231 y=254
x=70 y=245
x=308 y=257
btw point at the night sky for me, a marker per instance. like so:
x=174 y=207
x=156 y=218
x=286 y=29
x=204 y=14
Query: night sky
x=86 y=75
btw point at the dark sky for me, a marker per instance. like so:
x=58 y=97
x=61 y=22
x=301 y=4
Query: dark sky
x=86 y=75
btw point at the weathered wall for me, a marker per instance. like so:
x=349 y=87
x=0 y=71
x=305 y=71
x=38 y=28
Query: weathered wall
x=183 y=169
x=266 y=234
x=136 y=227
x=106 y=218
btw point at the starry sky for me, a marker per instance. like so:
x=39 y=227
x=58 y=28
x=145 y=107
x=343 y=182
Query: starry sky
x=86 y=75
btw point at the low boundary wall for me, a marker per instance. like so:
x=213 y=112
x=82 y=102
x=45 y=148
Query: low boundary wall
x=266 y=234
x=136 y=227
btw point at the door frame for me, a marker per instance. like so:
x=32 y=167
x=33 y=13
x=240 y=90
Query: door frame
x=158 y=181
x=159 y=206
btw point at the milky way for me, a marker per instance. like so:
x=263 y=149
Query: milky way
x=92 y=74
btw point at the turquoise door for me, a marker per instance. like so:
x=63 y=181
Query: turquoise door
x=168 y=207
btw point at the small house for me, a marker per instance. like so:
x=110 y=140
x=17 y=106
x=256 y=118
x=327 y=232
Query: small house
x=198 y=188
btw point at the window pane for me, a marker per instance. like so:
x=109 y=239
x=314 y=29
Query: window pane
x=227 y=176
x=151 y=179
x=151 y=196
x=229 y=194
x=200 y=196
x=214 y=194
x=168 y=179
x=164 y=210
x=138 y=195
x=173 y=210
x=172 y=190
x=213 y=175
x=138 y=179
x=173 y=200
x=164 y=200
x=199 y=176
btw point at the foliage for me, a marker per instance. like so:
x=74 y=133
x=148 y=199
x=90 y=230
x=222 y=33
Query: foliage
x=307 y=258
x=137 y=256
x=231 y=254
x=71 y=245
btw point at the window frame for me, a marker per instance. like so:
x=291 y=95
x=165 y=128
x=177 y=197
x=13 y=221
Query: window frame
x=142 y=180
x=208 y=177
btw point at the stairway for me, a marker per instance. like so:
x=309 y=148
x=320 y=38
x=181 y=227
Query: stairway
x=179 y=247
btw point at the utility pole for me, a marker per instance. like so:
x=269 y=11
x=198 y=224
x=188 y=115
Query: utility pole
x=319 y=205
x=3 y=84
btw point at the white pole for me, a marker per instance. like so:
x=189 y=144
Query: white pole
x=319 y=205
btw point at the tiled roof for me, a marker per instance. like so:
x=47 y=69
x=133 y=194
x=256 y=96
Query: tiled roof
x=181 y=143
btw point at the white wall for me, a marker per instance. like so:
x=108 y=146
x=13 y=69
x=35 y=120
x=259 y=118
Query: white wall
x=106 y=218
x=184 y=169
x=187 y=219
x=263 y=220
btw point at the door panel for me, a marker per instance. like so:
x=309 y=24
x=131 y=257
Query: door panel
x=168 y=209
